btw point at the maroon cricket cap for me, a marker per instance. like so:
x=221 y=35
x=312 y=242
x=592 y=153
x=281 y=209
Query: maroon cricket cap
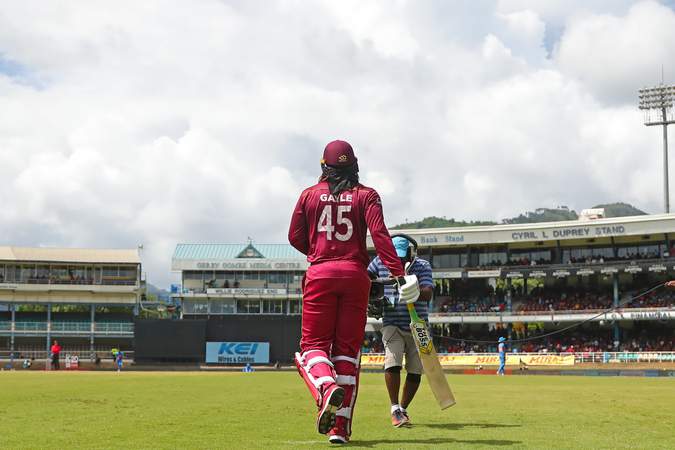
x=338 y=154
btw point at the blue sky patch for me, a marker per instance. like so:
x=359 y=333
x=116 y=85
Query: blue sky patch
x=19 y=73
x=11 y=68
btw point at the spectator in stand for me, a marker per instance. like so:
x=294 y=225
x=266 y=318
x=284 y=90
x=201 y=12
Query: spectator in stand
x=538 y=302
x=564 y=302
x=574 y=342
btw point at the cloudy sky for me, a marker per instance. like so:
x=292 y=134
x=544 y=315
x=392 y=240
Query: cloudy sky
x=160 y=122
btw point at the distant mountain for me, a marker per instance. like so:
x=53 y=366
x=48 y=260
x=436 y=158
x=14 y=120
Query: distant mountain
x=155 y=293
x=561 y=213
x=621 y=210
x=544 y=215
x=440 y=222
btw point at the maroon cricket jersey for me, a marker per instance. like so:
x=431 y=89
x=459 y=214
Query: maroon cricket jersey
x=333 y=228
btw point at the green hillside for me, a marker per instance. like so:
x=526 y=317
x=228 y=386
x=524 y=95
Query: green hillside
x=539 y=215
x=440 y=222
x=544 y=215
x=620 y=210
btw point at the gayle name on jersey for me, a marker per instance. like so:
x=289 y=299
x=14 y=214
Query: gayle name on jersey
x=332 y=198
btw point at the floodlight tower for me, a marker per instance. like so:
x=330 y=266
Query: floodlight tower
x=657 y=103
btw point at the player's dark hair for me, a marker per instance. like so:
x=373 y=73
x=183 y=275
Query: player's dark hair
x=340 y=178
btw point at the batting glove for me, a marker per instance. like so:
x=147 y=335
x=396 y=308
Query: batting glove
x=410 y=290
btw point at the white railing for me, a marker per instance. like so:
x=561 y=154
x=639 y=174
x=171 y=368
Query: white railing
x=544 y=312
x=113 y=327
x=619 y=263
x=83 y=282
x=624 y=357
x=110 y=328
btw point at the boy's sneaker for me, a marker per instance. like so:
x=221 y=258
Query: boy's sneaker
x=398 y=419
x=332 y=401
x=406 y=417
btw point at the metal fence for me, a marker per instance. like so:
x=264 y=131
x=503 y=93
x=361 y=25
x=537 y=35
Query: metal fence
x=624 y=357
x=84 y=354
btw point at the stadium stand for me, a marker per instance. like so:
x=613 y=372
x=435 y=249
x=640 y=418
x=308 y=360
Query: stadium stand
x=85 y=298
x=519 y=279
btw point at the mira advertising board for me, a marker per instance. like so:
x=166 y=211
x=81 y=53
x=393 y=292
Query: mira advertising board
x=238 y=352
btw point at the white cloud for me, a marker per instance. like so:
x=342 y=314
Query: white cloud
x=525 y=32
x=383 y=26
x=615 y=55
x=559 y=11
x=500 y=58
x=165 y=122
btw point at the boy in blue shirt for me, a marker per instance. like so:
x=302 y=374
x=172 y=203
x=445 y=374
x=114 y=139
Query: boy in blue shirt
x=119 y=360
x=396 y=336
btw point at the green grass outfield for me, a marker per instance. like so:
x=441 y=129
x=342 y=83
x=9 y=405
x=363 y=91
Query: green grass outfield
x=134 y=410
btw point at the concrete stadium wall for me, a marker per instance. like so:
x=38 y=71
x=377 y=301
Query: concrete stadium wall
x=169 y=340
x=185 y=340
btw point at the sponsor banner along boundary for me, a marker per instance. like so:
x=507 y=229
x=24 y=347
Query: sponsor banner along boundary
x=238 y=352
x=486 y=359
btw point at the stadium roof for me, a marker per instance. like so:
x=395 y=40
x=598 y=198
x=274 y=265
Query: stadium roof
x=234 y=251
x=559 y=224
x=70 y=255
x=616 y=227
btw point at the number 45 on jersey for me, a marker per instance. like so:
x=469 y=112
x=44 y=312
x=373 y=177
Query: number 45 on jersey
x=326 y=222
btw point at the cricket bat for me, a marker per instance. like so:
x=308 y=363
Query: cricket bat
x=430 y=363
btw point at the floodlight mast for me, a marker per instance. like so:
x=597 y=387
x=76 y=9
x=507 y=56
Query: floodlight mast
x=660 y=100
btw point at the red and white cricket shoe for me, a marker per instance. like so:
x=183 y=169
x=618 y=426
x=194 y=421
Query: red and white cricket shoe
x=338 y=434
x=331 y=402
